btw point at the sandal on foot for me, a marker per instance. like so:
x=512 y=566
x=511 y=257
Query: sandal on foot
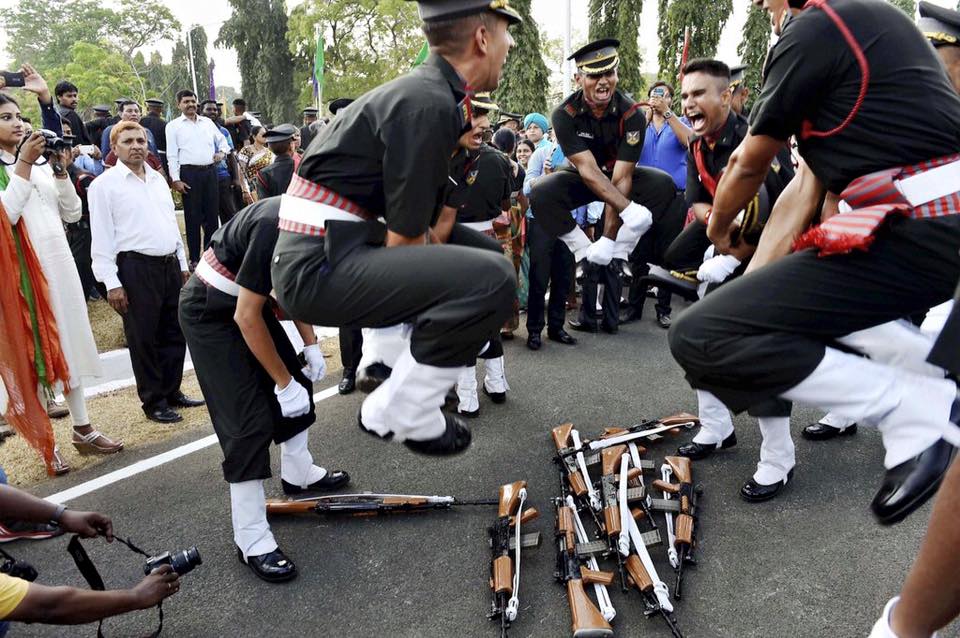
x=95 y=443
x=60 y=466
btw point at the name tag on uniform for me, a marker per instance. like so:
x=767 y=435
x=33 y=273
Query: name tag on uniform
x=586 y=135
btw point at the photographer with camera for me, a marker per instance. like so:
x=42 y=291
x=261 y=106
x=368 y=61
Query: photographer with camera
x=35 y=189
x=24 y=601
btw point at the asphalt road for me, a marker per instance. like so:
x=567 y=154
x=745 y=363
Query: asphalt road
x=811 y=563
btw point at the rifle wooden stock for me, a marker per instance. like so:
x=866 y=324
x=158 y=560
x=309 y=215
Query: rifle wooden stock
x=680 y=419
x=611 y=520
x=290 y=507
x=596 y=577
x=610 y=458
x=502 y=579
x=638 y=573
x=561 y=439
x=637 y=513
x=587 y=620
x=684 y=532
x=565 y=526
x=669 y=488
x=529 y=515
x=680 y=465
x=510 y=498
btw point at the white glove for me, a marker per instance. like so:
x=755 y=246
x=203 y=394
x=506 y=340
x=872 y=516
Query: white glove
x=717 y=269
x=294 y=399
x=637 y=217
x=316 y=366
x=626 y=241
x=600 y=252
x=578 y=243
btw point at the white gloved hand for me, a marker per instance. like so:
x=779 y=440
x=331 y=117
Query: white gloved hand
x=717 y=269
x=294 y=399
x=316 y=366
x=601 y=251
x=637 y=217
x=626 y=241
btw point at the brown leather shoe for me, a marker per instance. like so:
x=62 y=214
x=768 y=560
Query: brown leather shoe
x=55 y=410
x=95 y=443
x=60 y=466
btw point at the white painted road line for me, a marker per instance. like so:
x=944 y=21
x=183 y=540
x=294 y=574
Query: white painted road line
x=152 y=462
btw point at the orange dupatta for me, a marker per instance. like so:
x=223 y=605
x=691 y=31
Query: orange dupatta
x=18 y=340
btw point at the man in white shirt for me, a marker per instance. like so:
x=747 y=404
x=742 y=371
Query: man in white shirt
x=195 y=146
x=138 y=255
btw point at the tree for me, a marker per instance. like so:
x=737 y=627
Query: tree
x=705 y=20
x=753 y=48
x=524 y=82
x=908 y=6
x=199 y=43
x=257 y=31
x=367 y=43
x=101 y=75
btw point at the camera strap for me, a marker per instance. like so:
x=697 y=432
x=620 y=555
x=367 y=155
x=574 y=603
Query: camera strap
x=92 y=576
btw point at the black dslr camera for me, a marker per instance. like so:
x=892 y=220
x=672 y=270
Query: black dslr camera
x=182 y=562
x=17 y=568
x=53 y=146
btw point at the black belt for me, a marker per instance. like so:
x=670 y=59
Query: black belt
x=199 y=167
x=129 y=254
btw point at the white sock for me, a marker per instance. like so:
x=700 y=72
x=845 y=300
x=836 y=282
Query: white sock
x=494 y=375
x=715 y=421
x=296 y=462
x=467 y=390
x=777 y=454
x=248 y=508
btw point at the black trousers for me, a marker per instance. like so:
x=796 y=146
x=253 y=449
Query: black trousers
x=651 y=249
x=946 y=350
x=686 y=251
x=351 y=348
x=78 y=236
x=609 y=276
x=551 y=263
x=200 y=207
x=554 y=196
x=764 y=333
x=151 y=326
x=239 y=393
x=226 y=201
x=456 y=296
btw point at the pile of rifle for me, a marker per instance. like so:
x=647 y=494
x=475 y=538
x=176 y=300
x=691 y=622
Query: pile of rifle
x=603 y=502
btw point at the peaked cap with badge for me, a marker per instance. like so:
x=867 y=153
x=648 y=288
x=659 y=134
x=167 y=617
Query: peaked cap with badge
x=737 y=75
x=433 y=10
x=939 y=25
x=597 y=57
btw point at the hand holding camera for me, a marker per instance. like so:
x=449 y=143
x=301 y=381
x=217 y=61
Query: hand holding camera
x=161 y=583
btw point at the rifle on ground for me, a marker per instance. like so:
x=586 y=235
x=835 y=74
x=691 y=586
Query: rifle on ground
x=504 y=574
x=640 y=567
x=648 y=430
x=369 y=504
x=587 y=621
x=685 y=538
x=610 y=459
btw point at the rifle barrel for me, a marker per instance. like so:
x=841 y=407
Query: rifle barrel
x=670 y=623
x=677 y=590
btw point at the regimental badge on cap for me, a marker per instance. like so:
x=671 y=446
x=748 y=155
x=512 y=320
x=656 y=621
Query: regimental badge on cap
x=939 y=25
x=432 y=10
x=484 y=103
x=598 y=57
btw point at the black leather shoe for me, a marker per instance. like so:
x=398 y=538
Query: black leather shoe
x=371 y=377
x=180 y=400
x=580 y=326
x=561 y=336
x=629 y=316
x=451 y=400
x=610 y=330
x=664 y=321
x=454 y=440
x=697 y=451
x=822 y=431
x=163 y=415
x=534 y=342
x=908 y=486
x=274 y=567
x=348 y=383
x=330 y=481
x=496 y=397
x=469 y=414
x=753 y=492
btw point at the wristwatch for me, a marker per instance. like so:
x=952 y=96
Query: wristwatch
x=667 y=114
x=58 y=514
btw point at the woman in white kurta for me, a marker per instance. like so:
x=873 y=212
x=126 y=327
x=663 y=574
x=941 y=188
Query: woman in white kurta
x=44 y=201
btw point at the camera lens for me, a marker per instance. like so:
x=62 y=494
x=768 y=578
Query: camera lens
x=185 y=560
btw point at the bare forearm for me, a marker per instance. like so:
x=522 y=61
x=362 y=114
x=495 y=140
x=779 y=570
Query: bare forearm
x=604 y=189
x=396 y=239
x=306 y=333
x=611 y=217
x=20 y=506
x=72 y=606
x=739 y=184
x=258 y=339
x=444 y=225
x=680 y=130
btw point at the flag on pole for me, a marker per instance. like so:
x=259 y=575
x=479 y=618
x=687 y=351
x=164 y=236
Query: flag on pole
x=318 y=67
x=686 y=51
x=422 y=56
x=213 y=87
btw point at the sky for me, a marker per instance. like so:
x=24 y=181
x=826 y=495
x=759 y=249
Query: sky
x=548 y=13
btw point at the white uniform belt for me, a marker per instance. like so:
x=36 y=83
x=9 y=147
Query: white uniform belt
x=480 y=226
x=303 y=211
x=212 y=278
x=930 y=185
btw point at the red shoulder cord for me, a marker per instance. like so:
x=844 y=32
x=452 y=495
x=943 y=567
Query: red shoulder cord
x=806 y=130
